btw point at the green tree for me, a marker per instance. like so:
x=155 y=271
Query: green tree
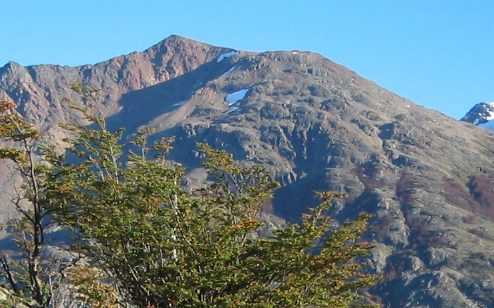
x=161 y=246
x=29 y=276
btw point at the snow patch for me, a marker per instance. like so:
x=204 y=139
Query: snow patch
x=179 y=104
x=229 y=71
x=234 y=97
x=490 y=116
x=226 y=55
x=231 y=109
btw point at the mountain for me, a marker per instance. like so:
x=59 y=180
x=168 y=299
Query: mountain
x=482 y=114
x=425 y=177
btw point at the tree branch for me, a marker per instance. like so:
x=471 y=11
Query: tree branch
x=9 y=274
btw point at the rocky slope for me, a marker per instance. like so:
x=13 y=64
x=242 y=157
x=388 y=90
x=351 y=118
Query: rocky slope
x=427 y=178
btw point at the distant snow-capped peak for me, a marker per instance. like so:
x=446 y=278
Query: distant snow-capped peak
x=482 y=114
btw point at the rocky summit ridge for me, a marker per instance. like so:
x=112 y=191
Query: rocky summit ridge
x=425 y=177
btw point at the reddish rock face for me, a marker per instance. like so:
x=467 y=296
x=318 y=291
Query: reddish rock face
x=427 y=178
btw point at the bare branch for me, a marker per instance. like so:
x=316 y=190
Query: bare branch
x=9 y=274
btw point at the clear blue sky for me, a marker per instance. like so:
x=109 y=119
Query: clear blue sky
x=438 y=53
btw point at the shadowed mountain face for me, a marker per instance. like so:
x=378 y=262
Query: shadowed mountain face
x=427 y=178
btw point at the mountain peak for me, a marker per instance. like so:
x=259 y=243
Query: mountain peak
x=183 y=50
x=179 y=38
x=177 y=42
x=11 y=65
x=482 y=114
